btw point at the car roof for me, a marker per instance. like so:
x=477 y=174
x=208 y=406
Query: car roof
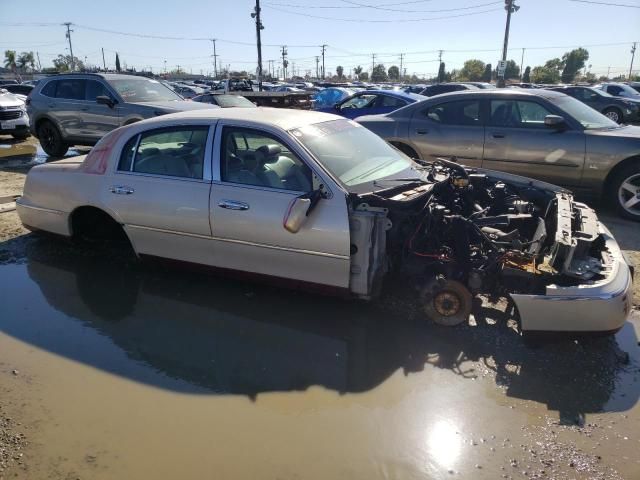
x=392 y=93
x=106 y=76
x=284 y=118
x=507 y=92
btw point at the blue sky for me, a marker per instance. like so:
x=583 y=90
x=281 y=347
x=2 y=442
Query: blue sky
x=539 y=24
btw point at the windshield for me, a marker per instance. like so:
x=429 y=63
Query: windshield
x=353 y=154
x=233 y=101
x=588 y=117
x=138 y=89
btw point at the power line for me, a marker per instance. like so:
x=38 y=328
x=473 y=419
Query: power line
x=359 y=20
x=387 y=9
x=346 y=7
x=606 y=3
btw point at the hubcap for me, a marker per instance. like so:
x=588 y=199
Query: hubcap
x=613 y=116
x=629 y=194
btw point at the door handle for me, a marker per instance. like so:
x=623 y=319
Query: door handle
x=422 y=132
x=498 y=135
x=233 y=205
x=121 y=190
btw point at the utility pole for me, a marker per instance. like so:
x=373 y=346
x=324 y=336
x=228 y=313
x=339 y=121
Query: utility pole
x=440 y=52
x=284 y=62
x=608 y=72
x=401 y=59
x=317 y=68
x=215 y=59
x=324 y=47
x=104 y=63
x=165 y=67
x=39 y=64
x=510 y=7
x=522 y=64
x=68 y=35
x=293 y=69
x=259 y=27
x=633 y=54
x=373 y=65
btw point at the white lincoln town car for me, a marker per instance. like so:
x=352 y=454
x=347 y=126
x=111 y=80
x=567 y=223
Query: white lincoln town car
x=314 y=199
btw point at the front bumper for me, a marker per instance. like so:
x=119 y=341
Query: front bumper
x=18 y=125
x=601 y=306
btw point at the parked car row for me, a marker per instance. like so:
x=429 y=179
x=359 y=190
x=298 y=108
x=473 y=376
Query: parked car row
x=14 y=120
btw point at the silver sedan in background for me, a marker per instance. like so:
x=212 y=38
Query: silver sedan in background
x=536 y=133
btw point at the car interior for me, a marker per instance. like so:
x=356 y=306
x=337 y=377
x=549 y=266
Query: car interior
x=262 y=161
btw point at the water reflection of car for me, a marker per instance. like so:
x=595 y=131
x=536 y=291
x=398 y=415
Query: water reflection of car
x=224 y=100
x=620 y=110
x=194 y=333
x=327 y=98
x=372 y=102
x=317 y=200
x=80 y=108
x=14 y=120
x=538 y=133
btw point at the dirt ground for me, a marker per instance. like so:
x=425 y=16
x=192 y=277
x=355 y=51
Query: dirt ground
x=113 y=369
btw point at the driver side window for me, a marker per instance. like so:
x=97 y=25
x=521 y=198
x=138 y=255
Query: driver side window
x=253 y=157
x=361 y=101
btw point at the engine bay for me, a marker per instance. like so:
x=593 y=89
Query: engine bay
x=462 y=230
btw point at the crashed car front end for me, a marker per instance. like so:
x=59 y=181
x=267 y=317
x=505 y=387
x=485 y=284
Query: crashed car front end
x=460 y=232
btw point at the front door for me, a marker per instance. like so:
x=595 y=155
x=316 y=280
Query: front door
x=160 y=192
x=449 y=129
x=98 y=119
x=257 y=174
x=517 y=141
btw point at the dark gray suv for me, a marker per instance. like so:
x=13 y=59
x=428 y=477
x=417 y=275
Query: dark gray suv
x=79 y=109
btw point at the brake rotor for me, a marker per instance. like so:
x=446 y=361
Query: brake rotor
x=447 y=302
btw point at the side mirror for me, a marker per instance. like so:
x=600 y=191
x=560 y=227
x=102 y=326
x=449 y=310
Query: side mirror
x=299 y=209
x=555 y=121
x=105 y=100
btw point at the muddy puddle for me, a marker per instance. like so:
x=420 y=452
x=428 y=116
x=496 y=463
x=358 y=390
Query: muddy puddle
x=21 y=153
x=136 y=371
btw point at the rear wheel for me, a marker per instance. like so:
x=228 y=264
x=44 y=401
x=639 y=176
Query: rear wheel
x=613 y=113
x=51 y=140
x=625 y=192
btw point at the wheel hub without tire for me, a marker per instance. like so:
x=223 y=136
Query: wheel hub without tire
x=447 y=302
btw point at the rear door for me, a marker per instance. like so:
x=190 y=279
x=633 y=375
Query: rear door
x=387 y=103
x=68 y=106
x=160 y=192
x=517 y=141
x=257 y=174
x=449 y=129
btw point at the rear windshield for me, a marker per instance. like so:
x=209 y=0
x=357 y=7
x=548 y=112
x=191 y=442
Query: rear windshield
x=143 y=90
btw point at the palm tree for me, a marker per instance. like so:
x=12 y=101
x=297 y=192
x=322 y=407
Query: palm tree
x=10 y=62
x=25 y=60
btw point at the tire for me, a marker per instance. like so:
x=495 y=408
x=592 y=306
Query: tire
x=20 y=136
x=625 y=192
x=614 y=114
x=51 y=139
x=406 y=149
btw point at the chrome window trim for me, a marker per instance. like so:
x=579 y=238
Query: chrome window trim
x=168 y=177
x=293 y=193
x=135 y=152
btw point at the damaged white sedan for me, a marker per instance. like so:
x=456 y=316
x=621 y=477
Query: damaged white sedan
x=318 y=200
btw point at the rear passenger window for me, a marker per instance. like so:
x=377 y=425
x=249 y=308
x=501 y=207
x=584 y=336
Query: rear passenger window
x=385 y=101
x=71 y=89
x=49 y=90
x=176 y=152
x=465 y=112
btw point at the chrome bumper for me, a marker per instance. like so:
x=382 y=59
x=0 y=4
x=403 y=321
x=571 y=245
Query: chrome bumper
x=600 y=306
